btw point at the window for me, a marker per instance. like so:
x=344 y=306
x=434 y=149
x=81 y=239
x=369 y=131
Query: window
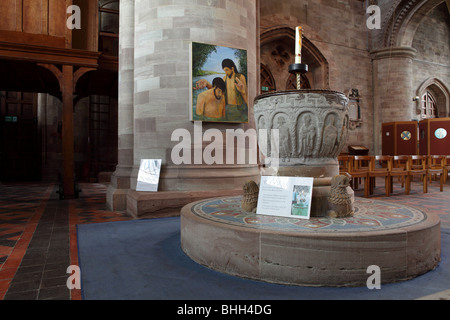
x=292 y=82
x=109 y=27
x=267 y=80
x=428 y=106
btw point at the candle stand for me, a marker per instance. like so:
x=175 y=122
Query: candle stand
x=298 y=69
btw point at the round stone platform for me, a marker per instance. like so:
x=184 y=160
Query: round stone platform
x=404 y=242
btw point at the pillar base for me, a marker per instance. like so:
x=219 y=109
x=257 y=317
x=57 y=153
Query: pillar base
x=168 y=203
x=116 y=199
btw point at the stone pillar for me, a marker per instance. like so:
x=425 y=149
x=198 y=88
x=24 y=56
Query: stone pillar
x=393 y=92
x=162 y=37
x=120 y=179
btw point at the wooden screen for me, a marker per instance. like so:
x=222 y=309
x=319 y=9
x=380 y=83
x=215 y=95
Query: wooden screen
x=399 y=138
x=45 y=20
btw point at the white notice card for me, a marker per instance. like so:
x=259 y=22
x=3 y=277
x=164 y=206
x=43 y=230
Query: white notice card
x=285 y=196
x=148 y=176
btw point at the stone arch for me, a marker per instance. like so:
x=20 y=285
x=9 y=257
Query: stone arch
x=318 y=75
x=402 y=21
x=440 y=92
x=267 y=80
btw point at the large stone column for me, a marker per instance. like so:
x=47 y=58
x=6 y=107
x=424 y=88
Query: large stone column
x=162 y=37
x=120 y=180
x=393 y=92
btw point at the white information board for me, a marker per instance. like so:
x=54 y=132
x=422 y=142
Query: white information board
x=285 y=196
x=148 y=176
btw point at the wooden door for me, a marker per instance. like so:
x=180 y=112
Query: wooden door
x=20 y=151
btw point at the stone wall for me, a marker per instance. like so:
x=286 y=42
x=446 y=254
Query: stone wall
x=432 y=42
x=120 y=179
x=416 y=57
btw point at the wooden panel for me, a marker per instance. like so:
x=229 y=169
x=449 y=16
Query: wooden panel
x=439 y=146
x=33 y=39
x=423 y=137
x=8 y=8
x=49 y=55
x=57 y=18
x=87 y=37
x=67 y=132
x=396 y=140
x=45 y=17
x=32 y=16
x=387 y=139
x=404 y=146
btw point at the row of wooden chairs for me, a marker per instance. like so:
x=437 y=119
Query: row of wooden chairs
x=404 y=167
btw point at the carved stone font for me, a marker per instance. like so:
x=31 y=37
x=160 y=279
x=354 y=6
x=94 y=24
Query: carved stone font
x=312 y=124
x=312 y=129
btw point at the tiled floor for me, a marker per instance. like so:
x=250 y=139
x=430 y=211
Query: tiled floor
x=38 y=233
x=38 y=238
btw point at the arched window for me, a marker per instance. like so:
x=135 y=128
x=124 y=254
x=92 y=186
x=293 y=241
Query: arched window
x=267 y=81
x=428 y=106
x=292 y=82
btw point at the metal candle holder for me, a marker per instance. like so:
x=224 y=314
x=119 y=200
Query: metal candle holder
x=298 y=69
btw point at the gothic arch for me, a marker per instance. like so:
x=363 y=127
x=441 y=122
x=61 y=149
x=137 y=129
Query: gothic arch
x=267 y=80
x=310 y=51
x=440 y=92
x=402 y=20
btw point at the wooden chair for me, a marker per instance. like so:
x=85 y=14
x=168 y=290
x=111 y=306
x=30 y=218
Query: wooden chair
x=385 y=164
x=417 y=166
x=359 y=168
x=344 y=163
x=362 y=163
x=436 y=167
x=399 y=169
x=446 y=167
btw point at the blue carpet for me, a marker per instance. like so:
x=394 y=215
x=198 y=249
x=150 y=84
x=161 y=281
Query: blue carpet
x=142 y=260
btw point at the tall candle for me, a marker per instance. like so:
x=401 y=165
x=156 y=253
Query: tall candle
x=298 y=45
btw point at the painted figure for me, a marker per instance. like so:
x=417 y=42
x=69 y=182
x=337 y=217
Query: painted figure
x=211 y=103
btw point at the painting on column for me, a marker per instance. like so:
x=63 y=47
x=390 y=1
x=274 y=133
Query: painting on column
x=219 y=84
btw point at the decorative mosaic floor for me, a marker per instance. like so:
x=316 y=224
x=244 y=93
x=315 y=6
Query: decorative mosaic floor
x=370 y=215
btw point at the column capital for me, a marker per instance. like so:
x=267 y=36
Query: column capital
x=393 y=52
